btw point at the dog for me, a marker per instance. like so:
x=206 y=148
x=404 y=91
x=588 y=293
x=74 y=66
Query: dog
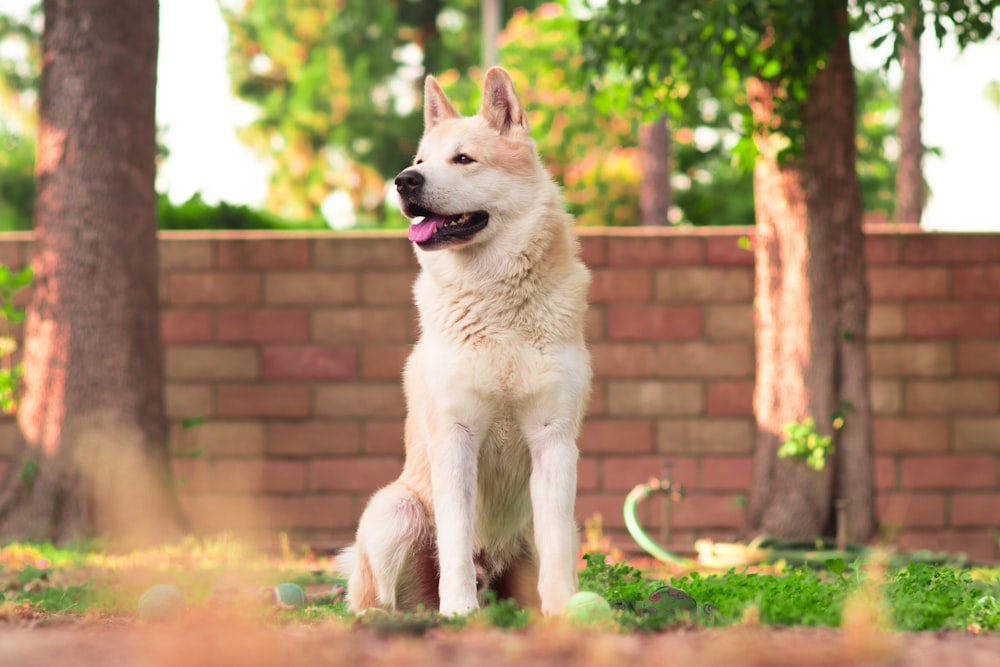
x=496 y=386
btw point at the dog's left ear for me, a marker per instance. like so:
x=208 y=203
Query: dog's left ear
x=501 y=108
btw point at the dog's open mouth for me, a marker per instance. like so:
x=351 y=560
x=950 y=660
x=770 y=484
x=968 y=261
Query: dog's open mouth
x=431 y=229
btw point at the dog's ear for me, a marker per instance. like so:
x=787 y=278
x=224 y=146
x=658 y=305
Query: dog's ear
x=437 y=106
x=501 y=108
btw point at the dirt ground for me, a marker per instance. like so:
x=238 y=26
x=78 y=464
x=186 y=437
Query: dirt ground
x=211 y=641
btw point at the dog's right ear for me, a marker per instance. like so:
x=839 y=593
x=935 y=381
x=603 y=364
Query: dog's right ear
x=437 y=106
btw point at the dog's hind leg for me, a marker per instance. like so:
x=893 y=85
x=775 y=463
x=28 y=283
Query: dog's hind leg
x=393 y=564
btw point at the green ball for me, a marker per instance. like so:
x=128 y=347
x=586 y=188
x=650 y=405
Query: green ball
x=587 y=607
x=161 y=602
x=668 y=600
x=290 y=594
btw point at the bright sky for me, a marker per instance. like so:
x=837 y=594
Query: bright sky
x=201 y=117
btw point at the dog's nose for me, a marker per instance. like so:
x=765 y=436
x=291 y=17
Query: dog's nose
x=409 y=181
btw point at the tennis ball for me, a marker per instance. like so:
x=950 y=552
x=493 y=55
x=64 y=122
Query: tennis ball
x=290 y=594
x=587 y=607
x=161 y=602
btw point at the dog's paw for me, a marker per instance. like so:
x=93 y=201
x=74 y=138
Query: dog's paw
x=458 y=605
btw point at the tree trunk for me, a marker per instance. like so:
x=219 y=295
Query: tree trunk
x=94 y=459
x=811 y=302
x=654 y=192
x=909 y=170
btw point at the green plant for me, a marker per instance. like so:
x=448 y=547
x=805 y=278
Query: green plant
x=11 y=282
x=803 y=442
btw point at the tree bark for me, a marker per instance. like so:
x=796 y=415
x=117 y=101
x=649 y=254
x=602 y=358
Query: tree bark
x=654 y=192
x=909 y=168
x=811 y=309
x=94 y=459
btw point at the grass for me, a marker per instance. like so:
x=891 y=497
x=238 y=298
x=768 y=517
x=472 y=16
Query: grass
x=43 y=582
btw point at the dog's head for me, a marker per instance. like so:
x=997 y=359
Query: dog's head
x=470 y=173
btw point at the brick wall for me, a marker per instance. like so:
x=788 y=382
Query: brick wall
x=290 y=348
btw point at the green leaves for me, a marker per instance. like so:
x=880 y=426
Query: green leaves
x=803 y=442
x=11 y=282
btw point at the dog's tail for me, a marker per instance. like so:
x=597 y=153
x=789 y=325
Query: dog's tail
x=347 y=561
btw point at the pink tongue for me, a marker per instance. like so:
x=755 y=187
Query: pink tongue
x=422 y=231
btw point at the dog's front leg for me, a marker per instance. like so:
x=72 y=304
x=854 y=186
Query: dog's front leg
x=553 y=492
x=453 y=462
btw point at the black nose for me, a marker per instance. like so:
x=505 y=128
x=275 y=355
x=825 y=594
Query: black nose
x=409 y=181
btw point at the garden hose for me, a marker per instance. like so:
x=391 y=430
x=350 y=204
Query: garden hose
x=641 y=537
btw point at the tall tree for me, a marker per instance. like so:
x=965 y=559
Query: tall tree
x=811 y=398
x=910 y=171
x=94 y=459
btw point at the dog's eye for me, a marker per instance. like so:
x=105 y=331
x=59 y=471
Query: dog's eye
x=462 y=158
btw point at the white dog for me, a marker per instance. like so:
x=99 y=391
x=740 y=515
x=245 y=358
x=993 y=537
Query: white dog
x=497 y=385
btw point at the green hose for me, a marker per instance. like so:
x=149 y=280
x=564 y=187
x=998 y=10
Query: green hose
x=641 y=537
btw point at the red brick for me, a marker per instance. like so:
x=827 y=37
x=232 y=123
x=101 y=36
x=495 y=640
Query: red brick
x=702 y=510
x=263 y=253
x=654 y=398
x=909 y=359
x=929 y=472
x=271 y=400
x=262 y=326
x=952 y=397
x=616 y=436
x=313 y=438
x=608 y=505
x=618 y=285
x=214 y=289
x=885 y=473
x=12 y=255
x=309 y=362
x=219 y=439
x=654 y=250
x=698 y=284
x=724 y=322
x=881 y=248
x=911 y=510
x=595 y=407
x=976 y=282
x=705 y=360
x=910 y=435
x=185 y=326
x=383 y=437
x=886 y=320
x=384 y=362
x=654 y=322
x=616 y=360
x=353 y=474
x=886 y=397
x=952 y=320
x=729 y=250
x=341 y=252
x=310 y=287
x=363 y=325
x=705 y=436
x=593 y=324
x=387 y=287
x=258 y=475
x=185 y=254
x=192 y=475
x=892 y=283
x=358 y=400
x=312 y=511
x=979 y=357
x=188 y=400
x=213 y=512
x=951 y=248
x=731 y=473
x=587 y=474
x=622 y=473
x=978 y=435
x=729 y=399
x=592 y=250
x=210 y=362
x=975 y=509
